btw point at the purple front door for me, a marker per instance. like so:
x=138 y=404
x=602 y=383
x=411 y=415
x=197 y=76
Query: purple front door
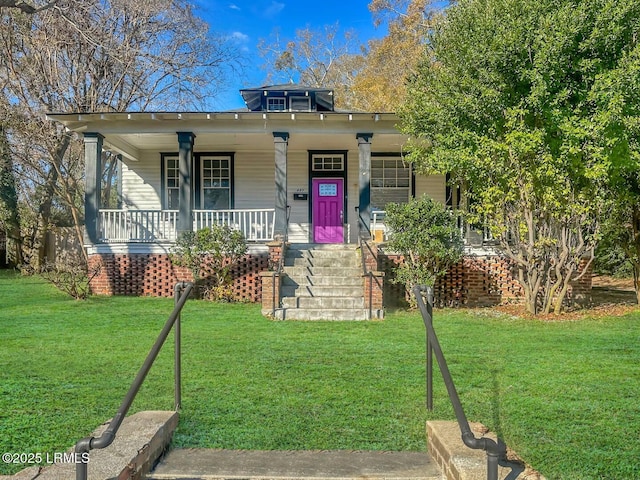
x=327 y=210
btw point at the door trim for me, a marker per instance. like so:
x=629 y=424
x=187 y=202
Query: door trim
x=328 y=174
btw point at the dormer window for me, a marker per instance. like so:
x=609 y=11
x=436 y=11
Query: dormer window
x=300 y=104
x=277 y=104
x=288 y=98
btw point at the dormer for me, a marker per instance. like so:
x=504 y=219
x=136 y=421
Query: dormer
x=288 y=98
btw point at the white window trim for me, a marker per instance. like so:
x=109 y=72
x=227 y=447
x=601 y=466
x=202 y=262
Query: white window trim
x=397 y=160
x=300 y=98
x=203 y=158
x=281 y=101
x=167 y=189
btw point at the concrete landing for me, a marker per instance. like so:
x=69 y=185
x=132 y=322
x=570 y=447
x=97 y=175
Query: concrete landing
x=289 y=465
x=459 y=462
x=138 y=444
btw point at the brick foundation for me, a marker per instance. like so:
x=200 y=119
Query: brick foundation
x=154 y=275
x=475 y=281
x=271 y=285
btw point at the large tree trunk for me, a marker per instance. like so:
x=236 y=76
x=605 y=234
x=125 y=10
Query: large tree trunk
x=46 y=204
x=9 y=198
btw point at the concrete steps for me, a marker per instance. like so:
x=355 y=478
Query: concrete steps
x=323 y=282
x=197 y=464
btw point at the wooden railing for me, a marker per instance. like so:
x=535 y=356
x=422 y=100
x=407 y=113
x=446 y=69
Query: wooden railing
x=150 y=226
x=381 y=232
x=145 y=226
x=257 y=225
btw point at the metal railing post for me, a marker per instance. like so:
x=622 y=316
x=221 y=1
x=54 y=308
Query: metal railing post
x=493 y=449
x=428 y=317
x=108 y=436
x=177 y=363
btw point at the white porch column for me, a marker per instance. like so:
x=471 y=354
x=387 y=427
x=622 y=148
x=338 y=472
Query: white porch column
x=185 y=195
x=281 y=142
x=364 y=179
x=93 y=184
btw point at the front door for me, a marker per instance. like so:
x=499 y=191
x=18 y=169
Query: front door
x=328 y=210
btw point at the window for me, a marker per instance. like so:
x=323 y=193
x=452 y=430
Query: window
x=300 y=104
x=276 y=104
x=172 y=183
x=327 y=163
x=390 y=181
x=215 y=181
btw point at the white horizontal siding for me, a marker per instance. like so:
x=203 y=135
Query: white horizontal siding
x=432 y=185
x=254 y=179
x=141 y=182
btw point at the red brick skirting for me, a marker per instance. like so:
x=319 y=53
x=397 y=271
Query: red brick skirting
x=474 y=281
x=154 y=275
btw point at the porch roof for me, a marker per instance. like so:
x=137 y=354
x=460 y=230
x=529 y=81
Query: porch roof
x=131 y=132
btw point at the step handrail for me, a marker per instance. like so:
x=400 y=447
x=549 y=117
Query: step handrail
x=495 y=450
x=83 y=447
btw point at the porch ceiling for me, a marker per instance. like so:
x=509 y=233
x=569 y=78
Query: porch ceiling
x=131 y=133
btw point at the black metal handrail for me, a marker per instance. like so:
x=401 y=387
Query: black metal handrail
x=182 y=291
x=495 y=450
x=364 y=234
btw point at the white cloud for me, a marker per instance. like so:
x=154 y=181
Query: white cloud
x=233 y=6
x=239 y=36
x=274 y=9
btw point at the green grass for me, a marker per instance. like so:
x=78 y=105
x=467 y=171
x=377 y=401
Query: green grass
x=564 y=395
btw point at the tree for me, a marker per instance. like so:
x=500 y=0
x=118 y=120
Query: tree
x=80 y=56
x=315 y=58
x=9 y=214
x=381 y=84
x=510 y=100
x=427 y=235
x=26 y=7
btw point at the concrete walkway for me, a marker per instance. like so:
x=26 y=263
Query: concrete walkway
x=288 y=465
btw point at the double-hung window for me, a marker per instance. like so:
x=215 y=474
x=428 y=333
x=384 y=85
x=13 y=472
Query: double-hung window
x=390 y=181
x=212 y=181
x=276 y=104
x=171 y=182
x=215 y=182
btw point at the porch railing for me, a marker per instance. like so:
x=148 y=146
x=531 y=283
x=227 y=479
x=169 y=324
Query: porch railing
x=257 y=224
x=137 y=225
x=147 y=226
x=470 y=234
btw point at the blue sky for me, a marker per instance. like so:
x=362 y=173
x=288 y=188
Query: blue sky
x=247 y=21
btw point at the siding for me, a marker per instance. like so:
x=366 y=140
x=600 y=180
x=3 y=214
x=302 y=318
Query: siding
x=298 y=182
x=254 y=180
x=432 y=185
x=141 y=182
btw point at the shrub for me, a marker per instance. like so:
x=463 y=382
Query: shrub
x=426 y=234
x=219 y=248
x=70 y=274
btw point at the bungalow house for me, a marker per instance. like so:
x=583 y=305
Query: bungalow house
x=288 y=168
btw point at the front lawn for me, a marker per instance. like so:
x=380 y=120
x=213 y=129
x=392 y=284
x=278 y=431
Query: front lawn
x=562 y=394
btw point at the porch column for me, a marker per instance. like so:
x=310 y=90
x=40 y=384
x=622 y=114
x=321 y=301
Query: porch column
x=185 y=195
x=281 y=142
x=364 y=178
x=93 y=184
